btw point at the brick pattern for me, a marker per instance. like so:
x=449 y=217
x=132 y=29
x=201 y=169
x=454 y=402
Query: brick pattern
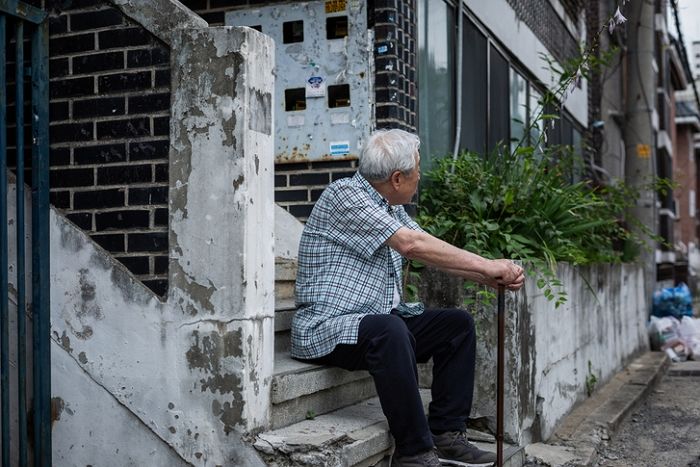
x=395 y=69
x=109 y=133
x=543 y=20
x=299 y=185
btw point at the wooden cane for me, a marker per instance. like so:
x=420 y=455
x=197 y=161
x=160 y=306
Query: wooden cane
x=500 y=369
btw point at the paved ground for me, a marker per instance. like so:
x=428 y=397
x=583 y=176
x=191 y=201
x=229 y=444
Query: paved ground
x=662 y=431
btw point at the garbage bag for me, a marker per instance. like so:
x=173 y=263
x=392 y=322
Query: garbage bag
x=663 y=330
x=673 y=301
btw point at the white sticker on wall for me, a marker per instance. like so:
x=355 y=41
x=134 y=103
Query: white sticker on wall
x=340 y=118
x=339 y=148
x=295 y=120
x=315 y=87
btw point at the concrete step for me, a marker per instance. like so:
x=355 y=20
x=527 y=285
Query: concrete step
x=285 y=277
x=354 y=436
x=301 y=390
x=284 y=311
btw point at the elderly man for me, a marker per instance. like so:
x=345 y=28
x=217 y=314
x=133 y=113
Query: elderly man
x=350 y=313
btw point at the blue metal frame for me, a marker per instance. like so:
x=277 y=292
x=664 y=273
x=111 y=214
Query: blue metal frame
x=4 y=295
x=41 y=306
x=22 y=10
x=19 y=225
x=24 y=14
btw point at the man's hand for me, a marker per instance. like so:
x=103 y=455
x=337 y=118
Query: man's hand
x=506 y=273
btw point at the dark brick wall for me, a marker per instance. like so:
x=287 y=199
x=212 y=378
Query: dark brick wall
x=395 y=69
x=109 y=125
x=298 y=185
x=543 y=20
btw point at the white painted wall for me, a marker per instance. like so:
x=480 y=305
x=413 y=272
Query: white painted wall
x=548 y=349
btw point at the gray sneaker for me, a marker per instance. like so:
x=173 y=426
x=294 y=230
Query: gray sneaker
x=423 y=459
x=454 y=449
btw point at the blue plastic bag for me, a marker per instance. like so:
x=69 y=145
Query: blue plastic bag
x=673 y=301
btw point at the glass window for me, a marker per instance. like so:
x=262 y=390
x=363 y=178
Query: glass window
x=499 y=125
x=535 y=111
x=474 y=89
x=435 y=79
x=518 y=109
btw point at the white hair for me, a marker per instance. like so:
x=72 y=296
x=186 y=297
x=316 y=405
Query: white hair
x=387 y=151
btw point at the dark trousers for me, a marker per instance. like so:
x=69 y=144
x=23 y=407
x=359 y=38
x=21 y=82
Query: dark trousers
x=389 y=346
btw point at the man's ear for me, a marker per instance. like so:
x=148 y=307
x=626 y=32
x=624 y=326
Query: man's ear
x=395 y=178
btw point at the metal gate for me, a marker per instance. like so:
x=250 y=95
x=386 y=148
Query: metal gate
x=25 y=365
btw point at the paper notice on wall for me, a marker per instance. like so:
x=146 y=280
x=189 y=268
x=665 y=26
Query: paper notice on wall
x=295 y=120
x=315 y=87
x=339 y=148
x=340 y=118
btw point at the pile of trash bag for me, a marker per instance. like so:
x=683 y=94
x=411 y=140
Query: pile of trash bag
x=672 y=301
x=679 y=338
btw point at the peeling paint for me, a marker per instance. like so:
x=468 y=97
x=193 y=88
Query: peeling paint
x=225 y=384
x=57 y=406
x=260 y=116
x=206 y=353
x=230 y=413
x=82 y=358
x=65 y=342
x=238 y=182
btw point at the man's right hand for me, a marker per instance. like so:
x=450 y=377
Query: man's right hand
x=506 y=273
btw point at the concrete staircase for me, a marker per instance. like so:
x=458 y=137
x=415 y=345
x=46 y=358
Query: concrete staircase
x=323 y=416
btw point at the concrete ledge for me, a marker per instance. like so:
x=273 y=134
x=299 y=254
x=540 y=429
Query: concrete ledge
x=293 y=379
x=160 y=17
x=343 y=438
x=577 y=438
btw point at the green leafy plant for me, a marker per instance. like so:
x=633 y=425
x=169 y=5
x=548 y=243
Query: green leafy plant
x=591 y=380
x=523 y=205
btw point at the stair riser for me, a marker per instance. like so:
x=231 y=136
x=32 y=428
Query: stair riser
x=295 y=410
x=284 y=289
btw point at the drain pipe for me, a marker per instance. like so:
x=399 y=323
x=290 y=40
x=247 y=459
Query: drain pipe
x=458 y=100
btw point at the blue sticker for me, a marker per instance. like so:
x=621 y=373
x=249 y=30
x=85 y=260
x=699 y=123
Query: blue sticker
x=382 y=49
x=340 y=148
x=315 y=81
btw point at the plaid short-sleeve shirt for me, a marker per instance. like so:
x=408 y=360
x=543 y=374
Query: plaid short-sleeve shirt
x=346 y=270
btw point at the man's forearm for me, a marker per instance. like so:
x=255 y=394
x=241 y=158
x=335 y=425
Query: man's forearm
x=440 y=254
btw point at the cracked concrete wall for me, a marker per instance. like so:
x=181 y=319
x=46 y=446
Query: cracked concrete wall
x=548 y=349
x=178 y=382
x=222 y=213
